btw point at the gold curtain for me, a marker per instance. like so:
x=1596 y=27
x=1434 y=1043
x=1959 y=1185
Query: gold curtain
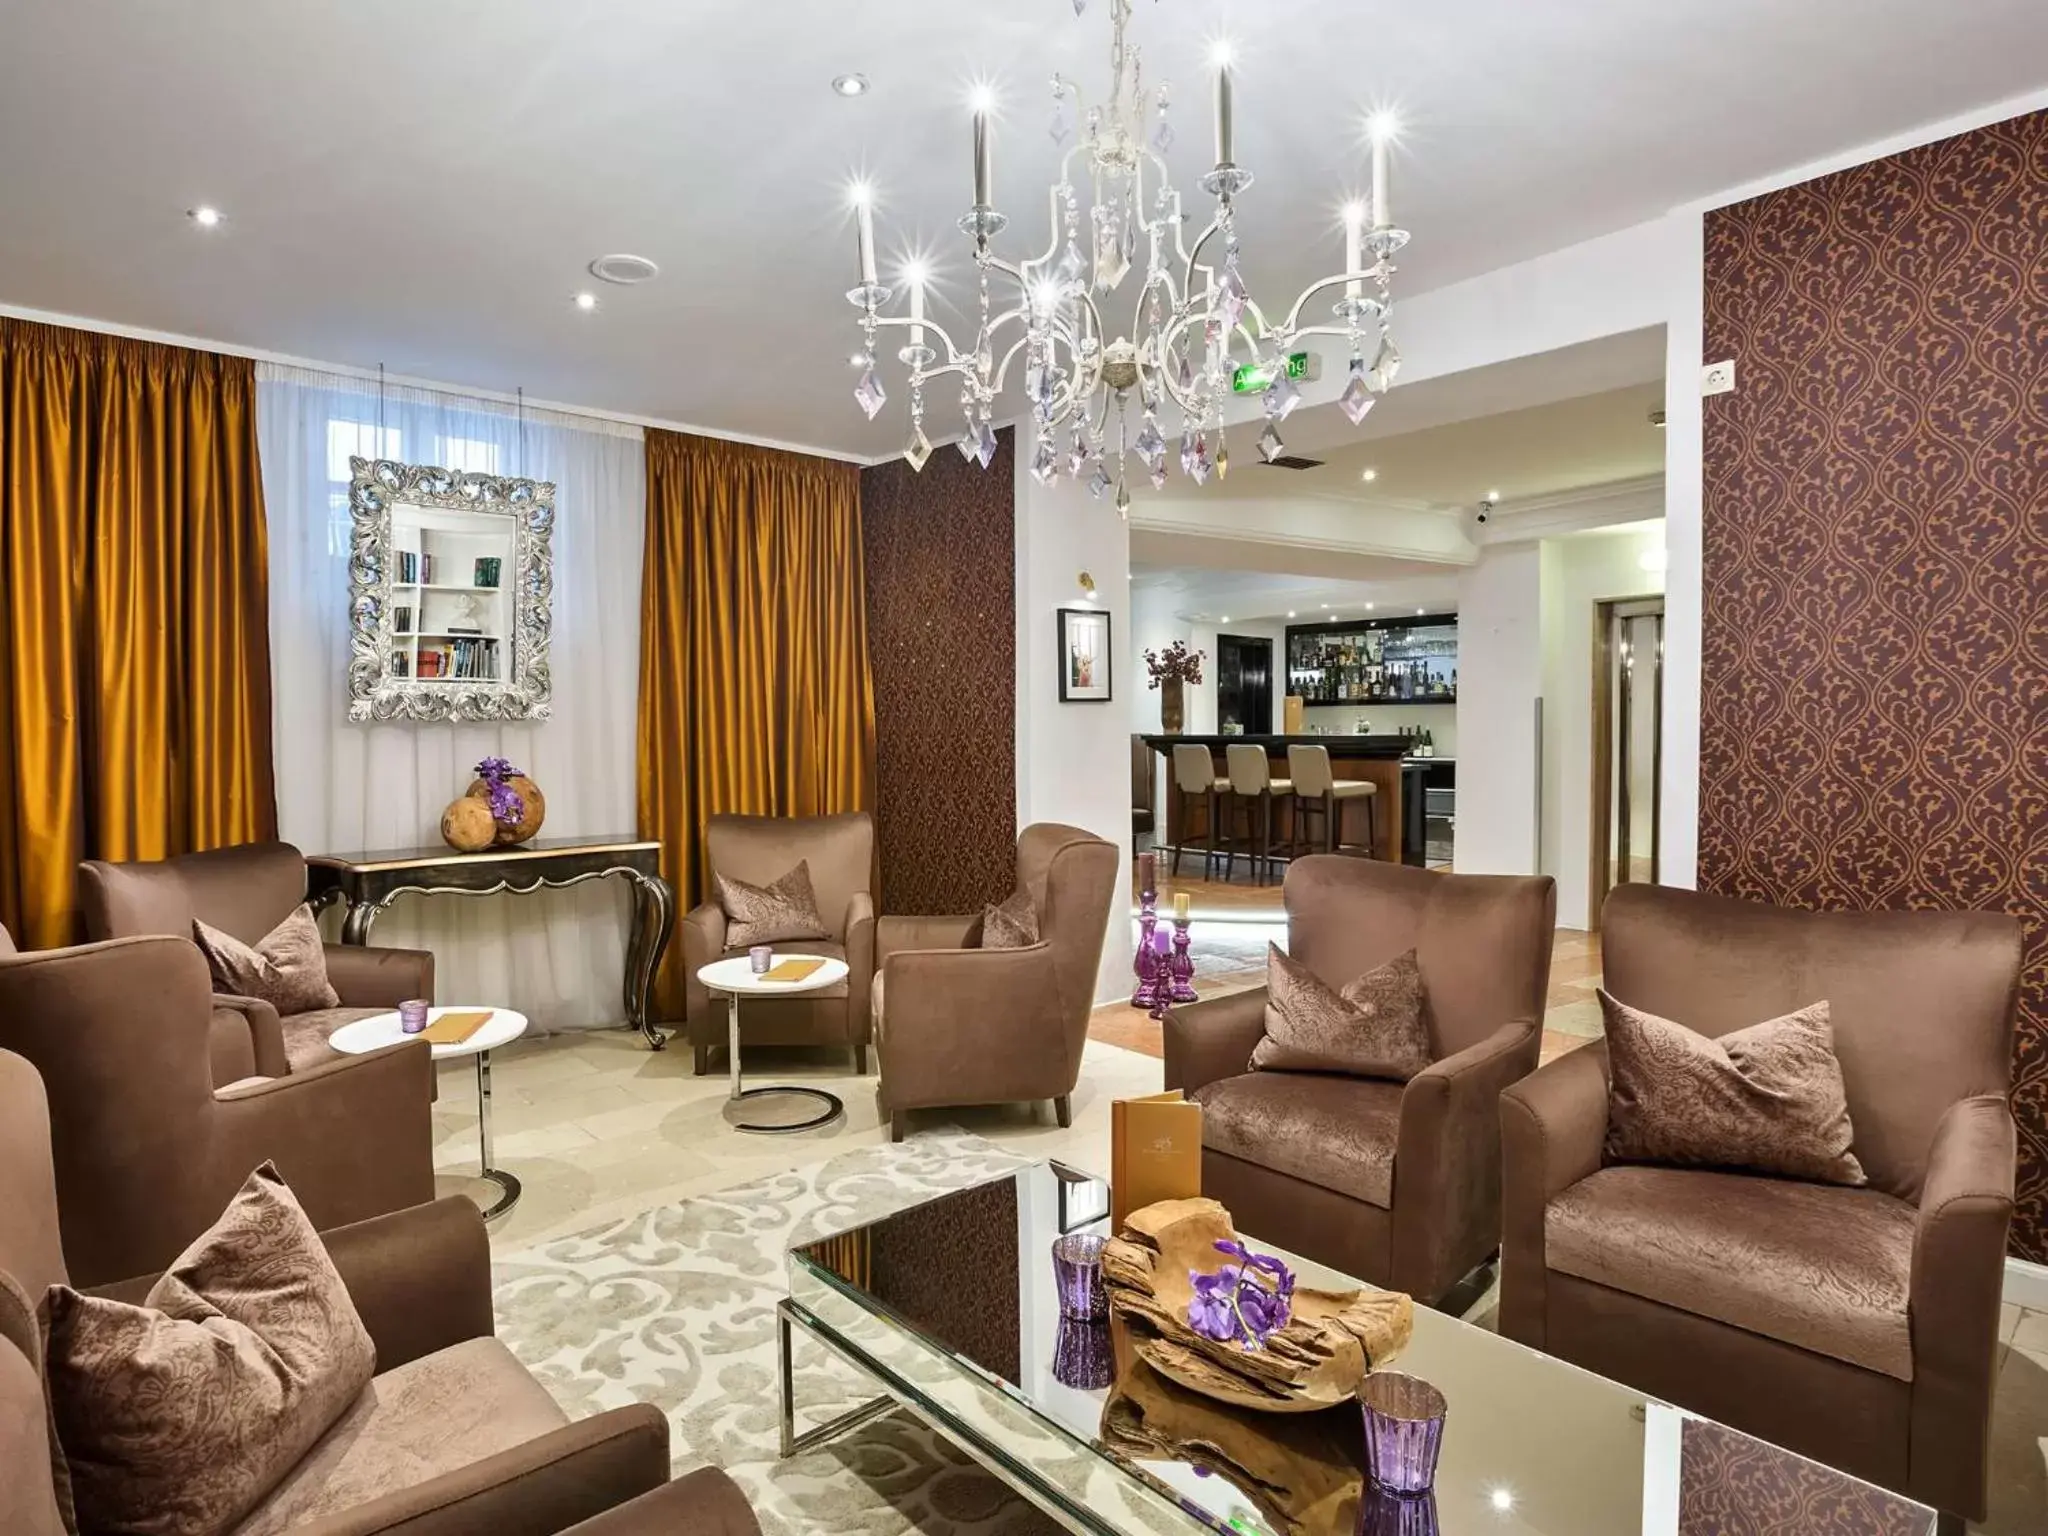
x=134 y=613
x=755 y=697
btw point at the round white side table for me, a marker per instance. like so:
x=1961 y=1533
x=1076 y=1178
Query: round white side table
x=501 y=1028
x=771 y=1111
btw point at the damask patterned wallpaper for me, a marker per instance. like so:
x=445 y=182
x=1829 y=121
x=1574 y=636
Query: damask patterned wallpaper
x=940 y=550
x=1874 y=690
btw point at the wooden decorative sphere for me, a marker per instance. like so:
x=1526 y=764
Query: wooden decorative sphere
x=466 y=826
x=530 y=795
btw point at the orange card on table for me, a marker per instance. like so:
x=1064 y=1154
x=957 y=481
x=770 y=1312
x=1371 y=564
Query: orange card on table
x=455 y=1027
x=791 y=970
x=1155 y=1152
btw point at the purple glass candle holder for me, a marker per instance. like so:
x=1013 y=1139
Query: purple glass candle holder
x=412 y=1015
x=1404 y=1431
x=1077 y=1268
x=760 y=959
x=1397 y=1514
x=1082 y=1355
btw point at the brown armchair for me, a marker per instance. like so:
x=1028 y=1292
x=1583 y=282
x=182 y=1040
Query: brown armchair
x=1396 y=1183
x=958 y=1024
x=483 y=1449
x=247 y=891
x=760 y=850
x=148 y=1151
x=1855 y=1326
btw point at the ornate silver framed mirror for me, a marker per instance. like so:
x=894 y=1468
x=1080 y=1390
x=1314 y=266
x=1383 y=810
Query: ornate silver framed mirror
x=451 y=594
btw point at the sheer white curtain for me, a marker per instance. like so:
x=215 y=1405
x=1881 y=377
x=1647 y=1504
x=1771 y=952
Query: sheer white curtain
x=557 y=956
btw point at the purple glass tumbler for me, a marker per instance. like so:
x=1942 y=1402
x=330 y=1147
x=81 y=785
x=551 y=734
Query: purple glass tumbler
x=1404 y=1431
x=1077 y=1268
x=412 y=1016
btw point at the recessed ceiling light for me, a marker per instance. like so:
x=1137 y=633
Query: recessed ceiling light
x=1418 y=613
x=1224 y=620
x=586 y=301
x=1368 y=607
x=1369 y=476
x=850 y=85
x=1326 y=607
x=206 y=216
x=1290 y=613
x=1493 y=496
x=624 y=269
x=1502 y=1500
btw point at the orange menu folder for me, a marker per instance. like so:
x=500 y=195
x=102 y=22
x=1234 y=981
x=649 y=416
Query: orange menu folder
x=791 y=970
x=1155 y=1152
x=454 y=1028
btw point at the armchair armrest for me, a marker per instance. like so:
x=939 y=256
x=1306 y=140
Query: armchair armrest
x=860 y=966
x=1553 y=1127
x=1447 y=1162
x=266 y=1033
x=353 y=1138
x=541 y=1488
x=968 y=1026
x=364 y=977
x=1209 y=1041
x=703 y=1503
x=703 y=942
x=420 y=1277
x=895 y=934
x=1958 y=1271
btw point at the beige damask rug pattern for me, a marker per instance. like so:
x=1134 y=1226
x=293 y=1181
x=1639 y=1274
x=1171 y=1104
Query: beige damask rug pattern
x=676 y=1307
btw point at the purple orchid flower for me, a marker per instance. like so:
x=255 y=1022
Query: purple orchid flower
x=507 y=805
x=1246 y=1302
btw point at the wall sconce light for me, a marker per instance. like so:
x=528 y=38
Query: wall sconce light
x=1087 y=586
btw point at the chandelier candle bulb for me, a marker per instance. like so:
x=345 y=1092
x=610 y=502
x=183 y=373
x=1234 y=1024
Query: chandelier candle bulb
x=864 y=211
x=1224 y=126
x=1382 y=153
x=1354 y=248
x=984 y=162
x=917 y=307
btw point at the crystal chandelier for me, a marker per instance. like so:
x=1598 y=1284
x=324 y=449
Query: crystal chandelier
x=1200 y=336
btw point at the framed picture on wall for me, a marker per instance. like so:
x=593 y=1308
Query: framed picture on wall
x=1084 y=656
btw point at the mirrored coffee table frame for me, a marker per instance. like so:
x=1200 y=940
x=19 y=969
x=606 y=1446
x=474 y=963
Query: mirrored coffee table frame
x=948 y=1308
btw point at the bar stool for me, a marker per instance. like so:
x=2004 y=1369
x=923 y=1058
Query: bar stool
x=1319 y=790
x=1195 y=782
x=1254 y=789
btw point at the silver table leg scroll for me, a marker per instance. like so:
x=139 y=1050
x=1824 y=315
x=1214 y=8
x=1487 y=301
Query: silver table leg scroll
x=771 y=1111
x=508 y=1184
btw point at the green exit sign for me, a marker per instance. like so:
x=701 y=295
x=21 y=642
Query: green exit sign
x=1253 y=378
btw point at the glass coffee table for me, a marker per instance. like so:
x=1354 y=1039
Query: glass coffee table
x=949 y=1308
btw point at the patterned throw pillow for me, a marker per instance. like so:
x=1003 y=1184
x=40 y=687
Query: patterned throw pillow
x=287 y=969
x=177 y=1417
x=768 y=914
x=1768 y=1098
x=1013 y=925
x=1375 y=1027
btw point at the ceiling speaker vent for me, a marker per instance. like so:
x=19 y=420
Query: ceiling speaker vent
x=1294 y=461
x=624 y=270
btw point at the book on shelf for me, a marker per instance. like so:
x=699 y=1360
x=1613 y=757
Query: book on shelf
x=461 y=659
x=414 y=568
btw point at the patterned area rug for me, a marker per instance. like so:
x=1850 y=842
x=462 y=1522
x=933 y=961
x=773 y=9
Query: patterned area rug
x=676 y=1307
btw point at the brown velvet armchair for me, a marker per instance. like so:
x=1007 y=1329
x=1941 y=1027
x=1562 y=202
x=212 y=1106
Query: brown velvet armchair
x=247 y=891
x=1855 y=1326
x=958 y=1024
x=148 y=1151
x=484 y=1450
x=1398 y=1184
x=760 y=850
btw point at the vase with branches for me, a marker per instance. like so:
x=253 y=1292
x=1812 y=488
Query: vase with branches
x=1171 y=670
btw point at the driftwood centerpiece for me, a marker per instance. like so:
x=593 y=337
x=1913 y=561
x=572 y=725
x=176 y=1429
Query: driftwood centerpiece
x=1316 y=1360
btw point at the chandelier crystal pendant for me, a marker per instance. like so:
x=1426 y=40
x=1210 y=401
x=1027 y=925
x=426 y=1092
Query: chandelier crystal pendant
x=1197 y=327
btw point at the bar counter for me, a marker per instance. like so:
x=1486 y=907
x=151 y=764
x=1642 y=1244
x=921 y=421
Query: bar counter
x=1375 y=759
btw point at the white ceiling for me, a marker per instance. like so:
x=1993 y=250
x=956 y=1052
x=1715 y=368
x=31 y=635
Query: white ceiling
x=421 y=185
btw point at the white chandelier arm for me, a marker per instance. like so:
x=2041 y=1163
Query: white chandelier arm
x=1341 y=279
x=905 y=321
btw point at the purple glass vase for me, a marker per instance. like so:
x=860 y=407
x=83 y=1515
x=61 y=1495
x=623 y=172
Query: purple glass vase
x=1077 y=1269
x=1182 y=972
x=1404 y=1431
x=1082 y=1355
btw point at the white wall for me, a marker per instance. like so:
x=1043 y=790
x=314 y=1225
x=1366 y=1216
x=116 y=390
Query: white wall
x=1500 y=678
x=1073 y=760
x=1577 y=573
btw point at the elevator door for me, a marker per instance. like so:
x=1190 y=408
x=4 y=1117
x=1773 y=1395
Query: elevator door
x=1629 y=726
